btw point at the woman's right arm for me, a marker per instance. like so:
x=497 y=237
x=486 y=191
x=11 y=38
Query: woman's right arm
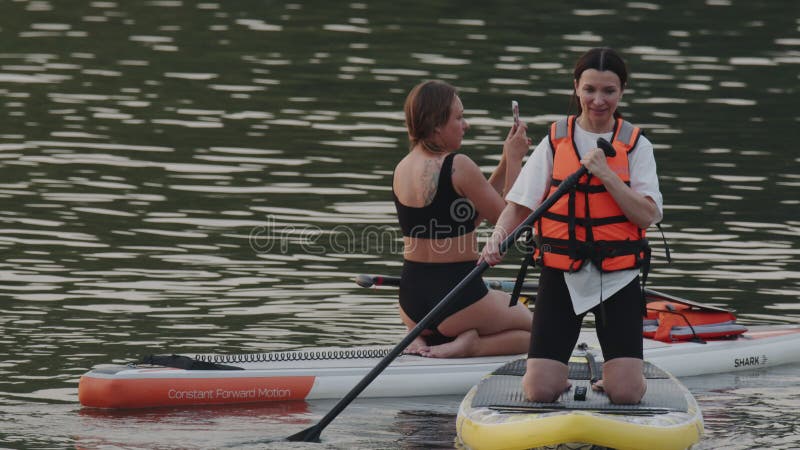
x=513 y=215
x=528 y=192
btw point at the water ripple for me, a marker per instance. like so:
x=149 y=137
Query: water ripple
x=207 y=177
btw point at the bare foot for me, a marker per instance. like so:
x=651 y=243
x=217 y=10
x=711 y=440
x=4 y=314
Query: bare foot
x=417 y=347
x=462 y=346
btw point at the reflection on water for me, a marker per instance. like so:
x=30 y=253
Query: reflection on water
x=209 y=176
x=749 y=409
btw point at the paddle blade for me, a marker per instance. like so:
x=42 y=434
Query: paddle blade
x=310 y=434
x=364 y=280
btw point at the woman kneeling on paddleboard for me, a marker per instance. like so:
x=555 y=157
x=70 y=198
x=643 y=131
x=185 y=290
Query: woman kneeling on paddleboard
x=591 y=241
x=441 y=196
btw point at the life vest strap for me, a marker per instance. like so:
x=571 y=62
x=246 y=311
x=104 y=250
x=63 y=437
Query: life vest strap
x=597 y=251
x=666 y=246
x=586 y=222
x=530 y=248
x=584 y=187
x=561 y=128
x=626 y=132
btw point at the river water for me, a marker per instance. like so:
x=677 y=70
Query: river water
x=194 y=177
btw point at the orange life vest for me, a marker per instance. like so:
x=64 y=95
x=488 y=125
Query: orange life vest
x=671 y=321
x=587 y=224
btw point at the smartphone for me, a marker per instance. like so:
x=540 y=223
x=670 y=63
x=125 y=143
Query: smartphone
x=515 y=111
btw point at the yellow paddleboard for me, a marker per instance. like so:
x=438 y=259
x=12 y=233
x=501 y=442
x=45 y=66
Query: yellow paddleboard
x=495 y=415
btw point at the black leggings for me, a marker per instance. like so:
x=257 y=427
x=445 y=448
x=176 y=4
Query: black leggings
x=556 y=328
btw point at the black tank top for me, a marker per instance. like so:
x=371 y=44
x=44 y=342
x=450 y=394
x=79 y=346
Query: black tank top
x=448 y=215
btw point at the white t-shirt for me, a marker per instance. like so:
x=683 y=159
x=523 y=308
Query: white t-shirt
x=533 y=184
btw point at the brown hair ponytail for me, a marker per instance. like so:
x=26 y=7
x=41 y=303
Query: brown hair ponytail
x=427 y=107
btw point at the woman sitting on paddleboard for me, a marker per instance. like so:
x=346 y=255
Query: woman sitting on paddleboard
x=592 y=240
x=441 y=196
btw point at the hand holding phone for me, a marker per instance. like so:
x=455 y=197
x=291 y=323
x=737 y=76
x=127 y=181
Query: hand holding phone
x=515 y=111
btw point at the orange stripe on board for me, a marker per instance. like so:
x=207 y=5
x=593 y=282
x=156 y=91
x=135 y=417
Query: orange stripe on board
x=143 y=393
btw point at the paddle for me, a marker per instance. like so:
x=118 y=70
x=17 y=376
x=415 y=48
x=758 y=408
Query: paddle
x=386 y=280
x=312 y=433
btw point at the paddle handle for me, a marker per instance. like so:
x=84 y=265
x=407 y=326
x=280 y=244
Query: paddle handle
x=606 y=146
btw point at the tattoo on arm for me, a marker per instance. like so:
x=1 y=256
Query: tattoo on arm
x=431 y=179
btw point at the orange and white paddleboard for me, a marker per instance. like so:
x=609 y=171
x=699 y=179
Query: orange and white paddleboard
x=332 y=372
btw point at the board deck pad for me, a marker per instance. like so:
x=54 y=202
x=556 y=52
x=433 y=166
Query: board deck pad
x=503 y=391
x=578 y=370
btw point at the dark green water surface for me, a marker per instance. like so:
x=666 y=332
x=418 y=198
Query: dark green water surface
x=182 y=176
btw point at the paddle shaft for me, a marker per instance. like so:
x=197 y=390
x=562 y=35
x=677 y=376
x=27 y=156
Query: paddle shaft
x=312 y=434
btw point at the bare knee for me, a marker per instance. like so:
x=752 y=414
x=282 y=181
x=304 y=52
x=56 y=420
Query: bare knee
x=544 y=380
x=623 y=381
x=536 y=392
x=627 y=394
x=521 y=317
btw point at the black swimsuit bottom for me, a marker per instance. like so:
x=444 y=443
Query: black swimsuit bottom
x=424 y=285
